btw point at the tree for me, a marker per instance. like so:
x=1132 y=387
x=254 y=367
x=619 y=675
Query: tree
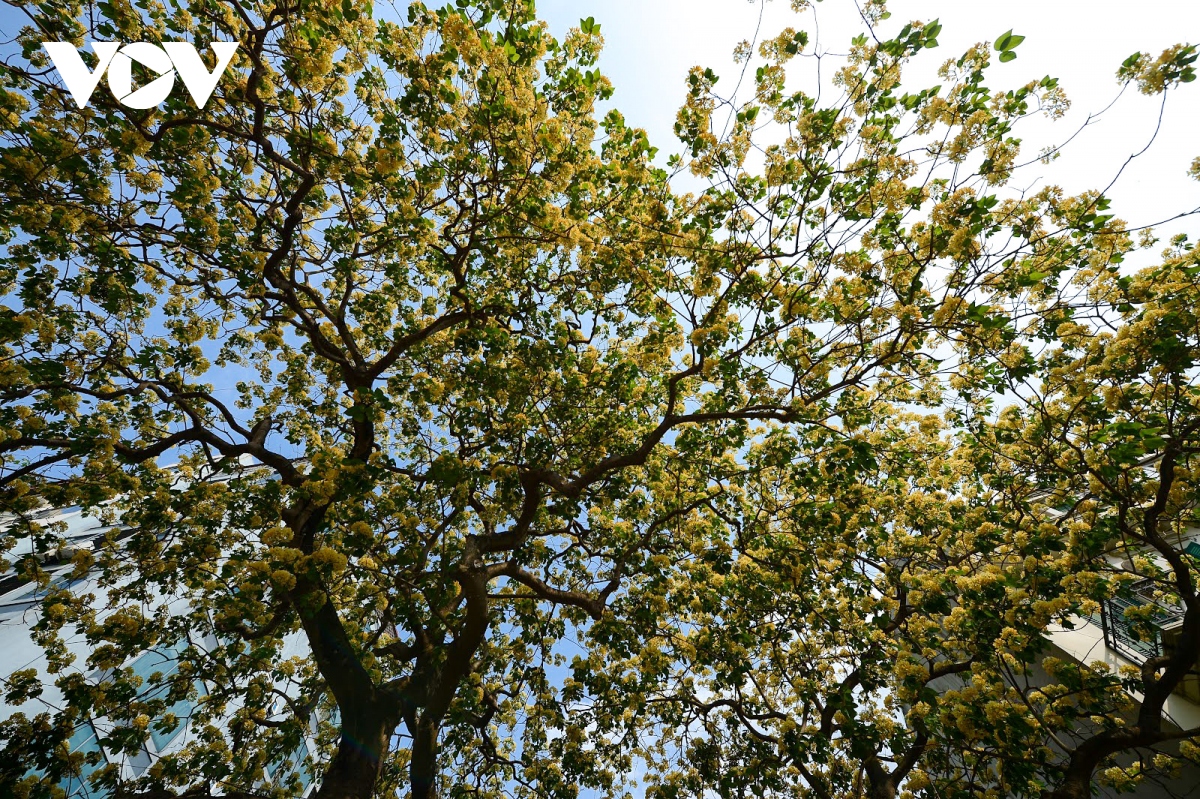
x=878 y=625
x=453 y=374
x=1109 y=441
x=877 y=622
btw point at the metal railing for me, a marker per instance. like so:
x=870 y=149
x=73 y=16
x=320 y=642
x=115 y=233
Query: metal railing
x=1137 y=641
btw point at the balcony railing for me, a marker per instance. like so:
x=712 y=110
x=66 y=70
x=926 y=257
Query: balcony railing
x=1137 y=641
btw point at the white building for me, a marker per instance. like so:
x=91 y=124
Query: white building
x=20 y=606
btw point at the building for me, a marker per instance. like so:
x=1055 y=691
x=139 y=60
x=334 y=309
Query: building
x=20 y=606
x=1109 y=637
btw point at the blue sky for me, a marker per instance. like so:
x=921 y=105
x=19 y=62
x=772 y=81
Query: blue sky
x=650 y=45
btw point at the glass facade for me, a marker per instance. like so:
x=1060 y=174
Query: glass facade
x=164 y=662
x=280 y=771
x=84 y=742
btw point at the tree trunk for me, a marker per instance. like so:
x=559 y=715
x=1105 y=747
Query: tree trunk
x=423 y=768
x=355 y=767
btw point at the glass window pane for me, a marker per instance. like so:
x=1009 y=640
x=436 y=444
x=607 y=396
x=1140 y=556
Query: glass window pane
x=162 y=661
x=84 y=741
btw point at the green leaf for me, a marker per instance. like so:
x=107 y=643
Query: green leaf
x=1007 y=55
x=799 y=41
x=1008 y=41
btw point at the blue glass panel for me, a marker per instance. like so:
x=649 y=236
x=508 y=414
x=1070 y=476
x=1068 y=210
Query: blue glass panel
x=84 y=741
x=181 y=710
x=301 y=769
x=162 y=661
x=292 y=764
x=156 y=660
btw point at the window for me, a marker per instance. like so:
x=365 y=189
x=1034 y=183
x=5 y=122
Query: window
x=84 y=741
x=279 y=770
x=164 y=662
x=28 y=595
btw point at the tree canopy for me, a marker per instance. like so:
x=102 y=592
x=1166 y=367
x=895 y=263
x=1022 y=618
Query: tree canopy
x=564 y=473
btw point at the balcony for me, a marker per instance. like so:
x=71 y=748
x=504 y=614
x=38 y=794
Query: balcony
x=1138 y=641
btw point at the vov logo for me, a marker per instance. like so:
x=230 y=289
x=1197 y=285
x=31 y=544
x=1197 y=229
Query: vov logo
x=167 y=59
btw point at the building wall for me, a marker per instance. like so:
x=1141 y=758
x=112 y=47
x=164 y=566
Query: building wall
x=20 y=609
